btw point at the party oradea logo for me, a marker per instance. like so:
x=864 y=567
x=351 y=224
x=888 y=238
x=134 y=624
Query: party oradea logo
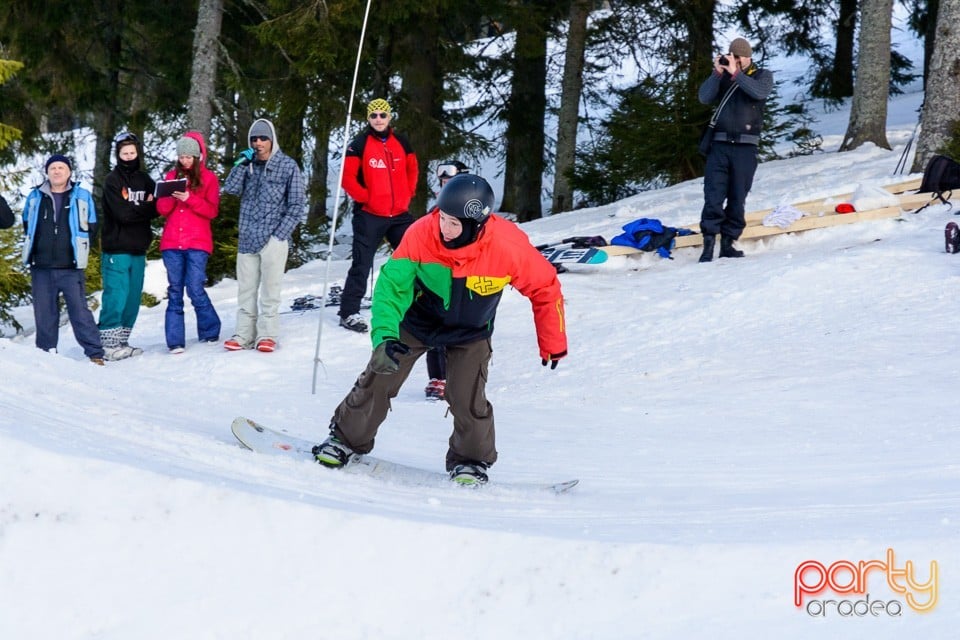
x=895 y=589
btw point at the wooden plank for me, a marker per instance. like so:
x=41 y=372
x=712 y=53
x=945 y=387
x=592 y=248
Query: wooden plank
x=908 y=202
x=828 y=203
x=820 y=205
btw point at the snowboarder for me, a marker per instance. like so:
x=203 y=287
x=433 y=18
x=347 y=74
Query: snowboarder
x=441 y=287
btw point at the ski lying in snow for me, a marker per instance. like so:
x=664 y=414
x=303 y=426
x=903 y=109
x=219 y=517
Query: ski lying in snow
x=261 y=439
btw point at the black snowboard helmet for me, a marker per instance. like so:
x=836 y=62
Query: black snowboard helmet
x=468 y=198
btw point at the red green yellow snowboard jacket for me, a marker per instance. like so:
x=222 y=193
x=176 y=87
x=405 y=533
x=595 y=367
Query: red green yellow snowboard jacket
x=449 y=296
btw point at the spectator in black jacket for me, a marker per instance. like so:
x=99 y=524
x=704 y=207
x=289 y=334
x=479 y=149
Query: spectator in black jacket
x=128 y=208
x=6 y=214
x=740 y=89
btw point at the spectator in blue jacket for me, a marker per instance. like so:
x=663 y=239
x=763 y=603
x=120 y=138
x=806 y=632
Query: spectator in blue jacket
x=271 y=206
x=60 y=219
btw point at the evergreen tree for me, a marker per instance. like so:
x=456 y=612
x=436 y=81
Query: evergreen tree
x=569 y=116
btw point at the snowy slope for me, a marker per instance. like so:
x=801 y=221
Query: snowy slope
x=728 y=421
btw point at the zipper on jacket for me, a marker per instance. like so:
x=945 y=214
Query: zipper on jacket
x=393 y=195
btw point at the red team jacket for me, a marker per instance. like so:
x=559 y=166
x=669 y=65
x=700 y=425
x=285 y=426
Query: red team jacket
x=380 y=175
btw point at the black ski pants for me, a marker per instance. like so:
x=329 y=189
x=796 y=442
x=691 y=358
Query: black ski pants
x=368 y=232
x=727 y=179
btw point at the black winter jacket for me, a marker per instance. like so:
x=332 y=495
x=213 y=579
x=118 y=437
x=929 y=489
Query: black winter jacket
x=741 y=118
x=6 y=214
x=127 y=212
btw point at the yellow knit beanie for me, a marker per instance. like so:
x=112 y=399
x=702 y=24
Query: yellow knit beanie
x=378 y=105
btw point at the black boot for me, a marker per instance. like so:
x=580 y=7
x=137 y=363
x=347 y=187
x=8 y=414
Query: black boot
x=727 y=250
x=708 y=244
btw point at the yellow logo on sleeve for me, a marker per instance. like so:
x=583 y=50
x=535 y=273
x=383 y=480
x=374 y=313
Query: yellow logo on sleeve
x=487 y=285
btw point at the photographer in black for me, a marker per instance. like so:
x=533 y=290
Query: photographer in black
x=739 y=89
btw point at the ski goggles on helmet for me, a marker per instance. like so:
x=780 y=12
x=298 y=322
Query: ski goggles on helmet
x=447 y=170
x=124 y=136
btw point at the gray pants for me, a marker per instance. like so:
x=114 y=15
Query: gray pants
x=358 y=417
x=259 y=276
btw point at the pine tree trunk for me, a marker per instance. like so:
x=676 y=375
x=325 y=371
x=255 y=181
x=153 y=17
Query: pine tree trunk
x=697 y=19
x=319 y=167
x=941 y=104
x=105 y=120
x=841 y=74
x=570 y=106
x=291 y=115
x=203 y=78
x=423 y=89
x=526 y=110
x=929 y=37
x=868 y=111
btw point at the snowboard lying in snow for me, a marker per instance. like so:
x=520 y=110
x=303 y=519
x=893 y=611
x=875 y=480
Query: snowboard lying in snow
x=573 y=255
x=261 y=439
x=578 y=249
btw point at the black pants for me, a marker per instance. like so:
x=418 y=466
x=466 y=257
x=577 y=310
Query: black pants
x=437 y=363
x=727 y=178
x=368 y=232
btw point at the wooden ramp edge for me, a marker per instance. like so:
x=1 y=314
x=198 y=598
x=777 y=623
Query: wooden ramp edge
x=908 y=202
x=825 y=204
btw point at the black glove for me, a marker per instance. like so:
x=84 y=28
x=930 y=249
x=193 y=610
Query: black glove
x=384 y=359
x=554 y=359
x=245 y=157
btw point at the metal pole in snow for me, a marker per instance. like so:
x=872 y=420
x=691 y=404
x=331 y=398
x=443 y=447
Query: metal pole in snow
x=336 y=200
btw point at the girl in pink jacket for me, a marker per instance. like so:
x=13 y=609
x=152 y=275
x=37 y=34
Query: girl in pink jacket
x=187 y=241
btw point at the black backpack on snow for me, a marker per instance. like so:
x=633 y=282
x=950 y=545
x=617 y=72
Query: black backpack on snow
x=942 y=175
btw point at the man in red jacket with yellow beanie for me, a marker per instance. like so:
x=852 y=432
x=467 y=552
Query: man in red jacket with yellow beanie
x=441 y=288
x=380 y=173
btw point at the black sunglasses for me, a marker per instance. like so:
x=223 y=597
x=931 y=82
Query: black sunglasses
x=380 y=115
x=260 y=138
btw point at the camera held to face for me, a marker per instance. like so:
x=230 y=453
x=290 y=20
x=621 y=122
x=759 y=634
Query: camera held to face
x=724 y=61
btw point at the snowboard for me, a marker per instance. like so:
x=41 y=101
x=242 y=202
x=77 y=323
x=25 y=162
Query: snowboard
x=261 y=439
x=577 y=249
x=572 y=255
